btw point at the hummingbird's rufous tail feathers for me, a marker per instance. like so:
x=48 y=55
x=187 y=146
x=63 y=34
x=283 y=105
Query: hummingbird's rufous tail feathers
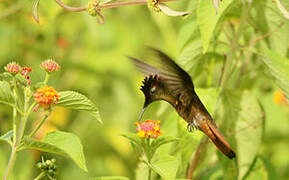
x=217 y=138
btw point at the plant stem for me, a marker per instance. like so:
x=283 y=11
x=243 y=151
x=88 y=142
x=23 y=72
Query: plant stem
x=150 y=171
x=39 y=125
x=11 y=162
x=14 y=111
x=40 y=176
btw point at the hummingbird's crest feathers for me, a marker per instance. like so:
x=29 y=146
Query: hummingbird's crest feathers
x=147 y=83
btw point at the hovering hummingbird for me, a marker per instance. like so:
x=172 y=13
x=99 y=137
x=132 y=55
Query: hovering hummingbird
x=169 y=82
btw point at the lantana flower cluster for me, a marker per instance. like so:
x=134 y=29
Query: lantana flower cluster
x=50 y=65
x=45 y=97
x=148 y=129
x=14 y=68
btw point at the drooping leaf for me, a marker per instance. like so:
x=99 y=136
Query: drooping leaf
x=208 y=19
x=62 y=143
x=166 y=166
x=170 y=12
x=77 y=101
x=6 y=96
x=7 y=137
x=110 y=178
x=279 y=69
x=35 y=5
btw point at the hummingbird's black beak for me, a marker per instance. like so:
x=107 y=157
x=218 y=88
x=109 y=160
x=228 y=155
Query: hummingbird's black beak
x=143 y=109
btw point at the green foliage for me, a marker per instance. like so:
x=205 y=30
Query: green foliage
x=110 y=178
x=7 y=137
x=279 y=69
x=6 y=96
x=165 y=166
x=208 y=19
x=77 y=101
x=62 y=143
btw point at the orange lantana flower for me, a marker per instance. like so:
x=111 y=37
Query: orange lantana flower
x=279 y=97
x=148 y=129
x=45 y=97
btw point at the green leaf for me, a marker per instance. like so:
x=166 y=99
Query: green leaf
x=62 y=143
x=7 y=137
x=165 y=166
x=134 y=139
x=279 y=69
x=110 y=178
x=243 y=118
x=6 y=76
x=170 y=12
x=6 y=96
x=77 y=101
x=208 y=19
x=163 y=140
x=35 y=5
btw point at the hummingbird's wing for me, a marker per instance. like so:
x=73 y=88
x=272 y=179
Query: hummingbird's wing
x=178 y=81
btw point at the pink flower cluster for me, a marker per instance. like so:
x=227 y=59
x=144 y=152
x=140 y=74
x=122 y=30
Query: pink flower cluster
x=50 y=65
x=148 y=129
x=15 y=68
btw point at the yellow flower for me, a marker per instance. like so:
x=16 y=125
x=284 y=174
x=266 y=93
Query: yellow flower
x=279 y=97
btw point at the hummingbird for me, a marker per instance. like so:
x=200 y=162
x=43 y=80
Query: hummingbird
x=169 y=82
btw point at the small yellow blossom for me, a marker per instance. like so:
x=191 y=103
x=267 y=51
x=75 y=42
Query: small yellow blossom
x=279 y=97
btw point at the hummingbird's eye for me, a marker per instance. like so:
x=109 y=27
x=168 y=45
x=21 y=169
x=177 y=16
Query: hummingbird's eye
x=153 y=90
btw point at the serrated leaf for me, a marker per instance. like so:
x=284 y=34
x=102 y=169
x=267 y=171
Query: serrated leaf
x=163 y=140
x=279 y=69
x=7 y=137
x=170 y=12
x=208 y=19
x=165 y=166
x=6 y=96
x=110 y=178
x=35 y=5
x=77 y=101
x=62 y=143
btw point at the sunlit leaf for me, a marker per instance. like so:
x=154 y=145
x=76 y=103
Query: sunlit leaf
x=170 y=12
x=35 y=5
x=6 y=96
x=62 y=143
x=7 y=137
x=279 y=69
x=208 y=19
x=77 y=101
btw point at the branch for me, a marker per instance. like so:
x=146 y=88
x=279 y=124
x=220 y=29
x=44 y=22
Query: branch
x=108 y=5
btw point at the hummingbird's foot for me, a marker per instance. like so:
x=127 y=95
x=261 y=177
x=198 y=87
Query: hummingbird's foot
x=191 y=127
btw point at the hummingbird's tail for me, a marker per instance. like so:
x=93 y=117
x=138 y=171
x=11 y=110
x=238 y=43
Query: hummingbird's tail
x=218 y=139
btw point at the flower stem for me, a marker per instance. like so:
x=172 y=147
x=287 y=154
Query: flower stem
x=40 y=176
x=47 y=75
x=39 y=125
x=150 y=171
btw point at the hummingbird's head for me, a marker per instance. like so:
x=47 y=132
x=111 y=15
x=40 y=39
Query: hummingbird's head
x=153 y=90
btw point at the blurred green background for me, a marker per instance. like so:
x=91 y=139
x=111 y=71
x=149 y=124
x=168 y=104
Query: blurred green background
x=93 y=61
